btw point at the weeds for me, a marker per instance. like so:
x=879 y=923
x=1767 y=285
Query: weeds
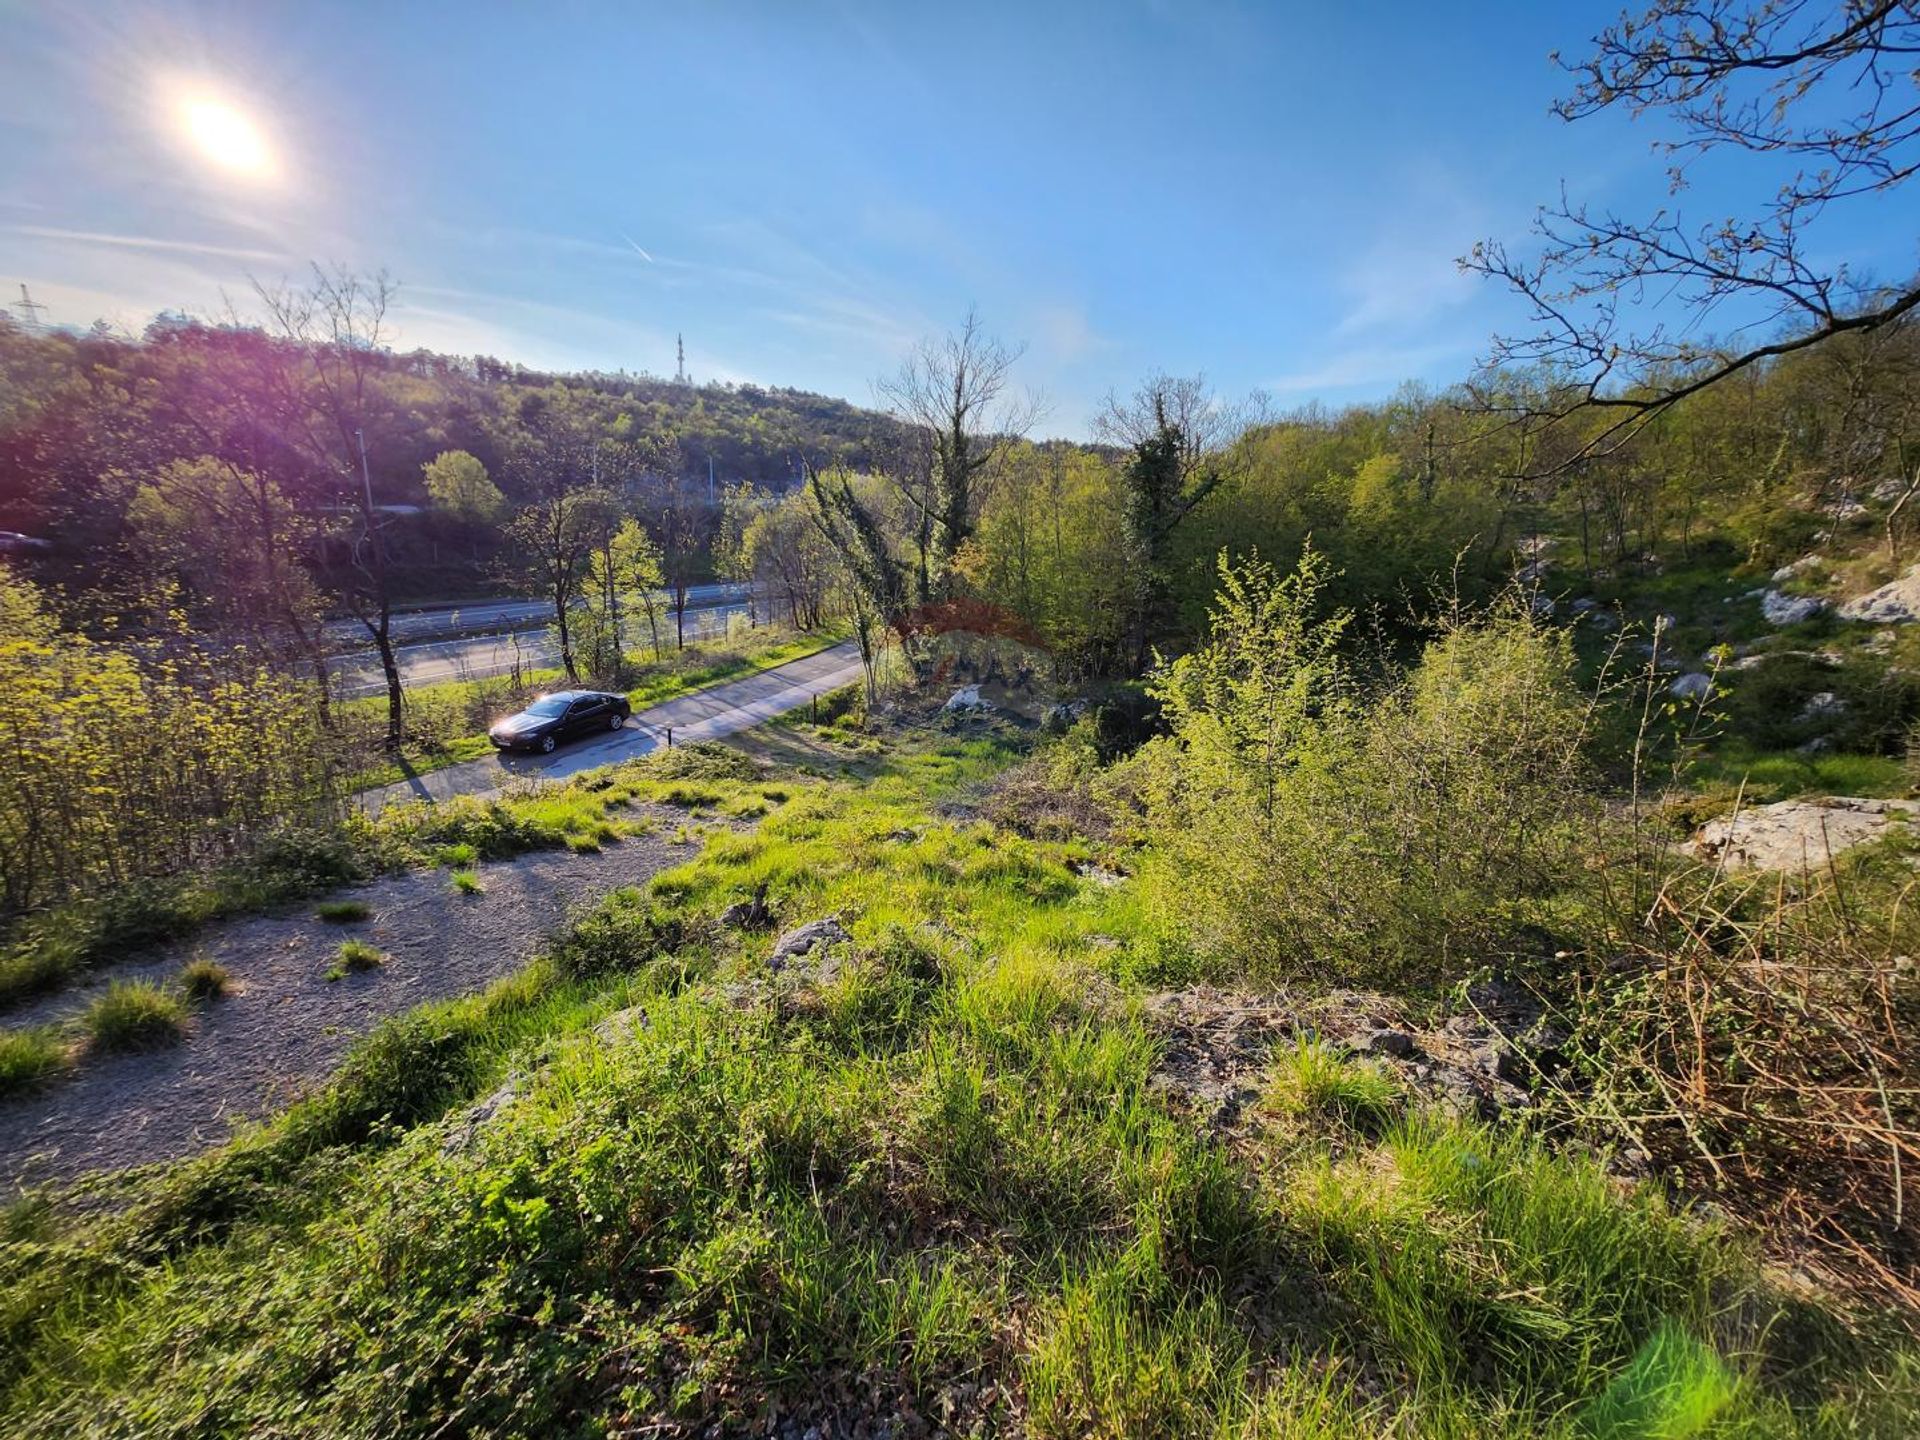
x=343 y=912
x=466 y=882
x=29 y=1058
x=135 y=1015
x=1314 y=1080
x=354 y=957
x=204 y=979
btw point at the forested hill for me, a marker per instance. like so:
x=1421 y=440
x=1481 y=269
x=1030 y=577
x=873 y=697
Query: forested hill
x=85 y=418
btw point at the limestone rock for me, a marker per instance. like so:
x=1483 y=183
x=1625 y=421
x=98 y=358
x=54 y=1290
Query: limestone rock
x=1783 y=609
x=1691 y=686
x=1895 y=603
x=1790 y=834
x=967 y=698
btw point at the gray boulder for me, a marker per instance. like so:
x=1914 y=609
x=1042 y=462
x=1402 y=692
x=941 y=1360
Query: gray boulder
x=1780 y=608
x=1691 y=686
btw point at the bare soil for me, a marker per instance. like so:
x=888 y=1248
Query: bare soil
x=284 y=1027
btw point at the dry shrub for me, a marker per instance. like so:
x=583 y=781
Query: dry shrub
x=1756 y=1035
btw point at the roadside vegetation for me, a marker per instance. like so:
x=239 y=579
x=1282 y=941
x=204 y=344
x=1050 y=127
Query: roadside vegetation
x=940 y=1170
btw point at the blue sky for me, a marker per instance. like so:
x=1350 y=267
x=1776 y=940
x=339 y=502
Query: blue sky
x=1272 y=194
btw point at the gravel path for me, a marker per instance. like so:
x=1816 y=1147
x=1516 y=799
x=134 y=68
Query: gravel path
x=284 y=1028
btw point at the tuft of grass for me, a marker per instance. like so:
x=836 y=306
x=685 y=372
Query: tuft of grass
x=205 y=980
x=135 y=1015
x=1315 y=1079
x=458 y=855
x=355 y=956
x=343 y=912
x=465 y=882
x=29 y=1058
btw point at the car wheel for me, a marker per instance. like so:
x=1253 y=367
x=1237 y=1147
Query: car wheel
x=617 y=722
x=547 y=743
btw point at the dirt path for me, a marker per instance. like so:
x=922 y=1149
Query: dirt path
x=709 y=714
x=284 y=1028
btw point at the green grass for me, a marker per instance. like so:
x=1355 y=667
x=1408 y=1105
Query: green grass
x=205 y=980
x=939 y=1174
x=134 y=1015
x=353 y=958
x=466 y=882
x=1315 y=1080
x=29 y=1058
x=1768 y=776
x=343 y=912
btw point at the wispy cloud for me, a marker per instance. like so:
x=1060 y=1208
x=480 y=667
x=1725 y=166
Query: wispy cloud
x=152 y=243
x=1065 y=334
x=1365 y=365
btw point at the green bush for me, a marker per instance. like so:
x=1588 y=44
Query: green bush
x=1298 y=826
x=135 y=1015
x=343 y=912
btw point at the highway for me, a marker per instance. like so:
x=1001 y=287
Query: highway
x=477 y=642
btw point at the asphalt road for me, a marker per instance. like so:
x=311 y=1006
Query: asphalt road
x=709 y=714
x=479 y=657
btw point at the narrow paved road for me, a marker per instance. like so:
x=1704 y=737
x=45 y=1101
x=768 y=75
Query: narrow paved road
x=708 y=714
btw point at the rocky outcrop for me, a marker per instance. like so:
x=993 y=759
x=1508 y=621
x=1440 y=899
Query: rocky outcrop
x=1895 y=603
x=1793 y=834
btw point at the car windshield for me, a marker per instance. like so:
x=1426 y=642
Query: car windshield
x=547 y=706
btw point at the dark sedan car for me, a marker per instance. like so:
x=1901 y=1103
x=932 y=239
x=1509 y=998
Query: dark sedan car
x=553 y=718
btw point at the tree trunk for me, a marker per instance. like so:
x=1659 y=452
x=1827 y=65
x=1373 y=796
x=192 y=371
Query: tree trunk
x=382 y=633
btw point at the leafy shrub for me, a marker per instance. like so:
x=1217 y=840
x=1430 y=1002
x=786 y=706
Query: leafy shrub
x=1297 y=825
x=205 y=980
x=29 y=1058
x=135 y=1015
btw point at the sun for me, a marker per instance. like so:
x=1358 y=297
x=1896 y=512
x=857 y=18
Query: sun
x=224 y=135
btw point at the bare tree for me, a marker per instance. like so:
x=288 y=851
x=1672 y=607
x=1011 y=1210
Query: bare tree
x=955 y=391
x=1826 y=92
x=338 y=322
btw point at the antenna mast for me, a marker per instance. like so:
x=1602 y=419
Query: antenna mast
x=680 y=374
x=29 y=307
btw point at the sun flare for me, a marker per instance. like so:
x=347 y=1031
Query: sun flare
x=224 y=135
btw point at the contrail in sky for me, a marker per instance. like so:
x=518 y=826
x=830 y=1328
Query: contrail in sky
x=637 y=247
